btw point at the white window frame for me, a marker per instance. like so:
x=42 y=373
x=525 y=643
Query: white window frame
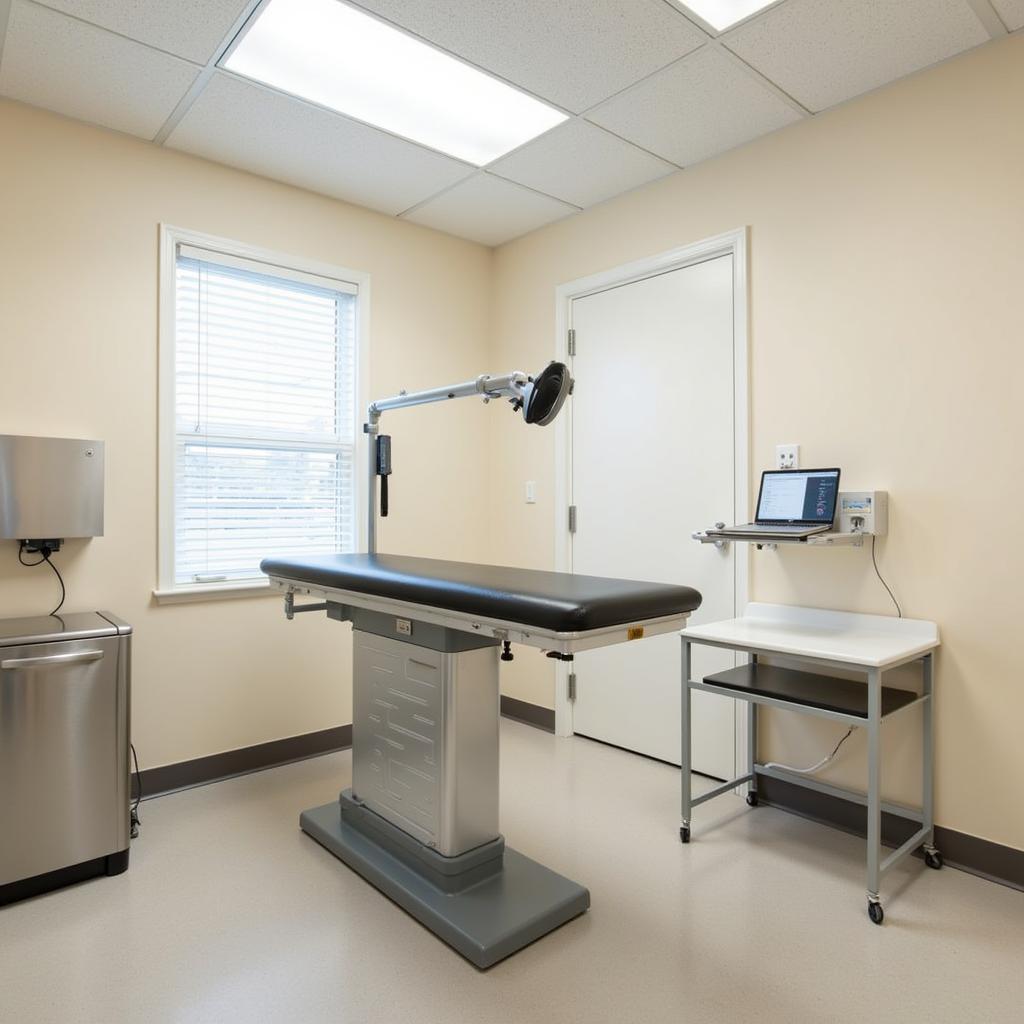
x=284 y=264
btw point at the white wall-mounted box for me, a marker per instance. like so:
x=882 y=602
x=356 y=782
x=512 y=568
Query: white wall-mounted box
x=864 y=512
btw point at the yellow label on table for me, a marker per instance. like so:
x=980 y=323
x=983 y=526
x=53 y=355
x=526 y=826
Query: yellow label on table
x=635 y=633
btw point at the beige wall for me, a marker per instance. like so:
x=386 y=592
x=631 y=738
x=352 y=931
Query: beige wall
x=886 y=262
x=79 y=216
x=887 y=251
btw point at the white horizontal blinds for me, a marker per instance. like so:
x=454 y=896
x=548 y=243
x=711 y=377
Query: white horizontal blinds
x=264 y=416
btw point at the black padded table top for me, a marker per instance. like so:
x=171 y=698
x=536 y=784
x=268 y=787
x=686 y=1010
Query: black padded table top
x=556 y=601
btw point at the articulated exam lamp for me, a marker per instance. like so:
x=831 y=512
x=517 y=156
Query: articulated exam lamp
x=538 y=398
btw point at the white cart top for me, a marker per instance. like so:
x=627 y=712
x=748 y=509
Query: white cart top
x=876 y=641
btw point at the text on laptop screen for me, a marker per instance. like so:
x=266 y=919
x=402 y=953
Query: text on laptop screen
x=799 y=497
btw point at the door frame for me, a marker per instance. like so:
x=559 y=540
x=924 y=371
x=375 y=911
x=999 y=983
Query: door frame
x=732 y=243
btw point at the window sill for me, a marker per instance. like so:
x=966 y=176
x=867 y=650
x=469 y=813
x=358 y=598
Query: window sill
x=215 y=592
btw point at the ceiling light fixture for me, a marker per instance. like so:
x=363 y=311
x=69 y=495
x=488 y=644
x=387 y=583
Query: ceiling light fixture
x=721 y=14
x=338 y=57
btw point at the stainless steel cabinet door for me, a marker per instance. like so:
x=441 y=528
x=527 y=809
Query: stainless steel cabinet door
x=63 y=756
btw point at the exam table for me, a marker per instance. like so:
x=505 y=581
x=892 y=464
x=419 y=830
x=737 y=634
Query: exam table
x=420 y=821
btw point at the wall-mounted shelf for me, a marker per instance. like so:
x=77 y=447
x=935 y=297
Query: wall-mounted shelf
x=859 y=514
x=817 y=540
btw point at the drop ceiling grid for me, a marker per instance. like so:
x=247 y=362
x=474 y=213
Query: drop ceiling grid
x=573 y=53
x=489 y=210
x=77 y=69
x=567 y=53
x=193 y=29
x=708 y=29
x=1011 y=12
x=242 y=123
x=823 y=53
x=701 y=106
x=580 y=163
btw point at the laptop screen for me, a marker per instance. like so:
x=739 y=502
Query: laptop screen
x=801 y=496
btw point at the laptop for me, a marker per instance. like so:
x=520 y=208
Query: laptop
x=793 y=503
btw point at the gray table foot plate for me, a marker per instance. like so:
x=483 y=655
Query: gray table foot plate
x=486 y=922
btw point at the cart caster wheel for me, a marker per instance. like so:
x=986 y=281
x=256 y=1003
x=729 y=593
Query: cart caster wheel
x=933 y=859
x=875 y=912
x=752 y=798
x=684 y=833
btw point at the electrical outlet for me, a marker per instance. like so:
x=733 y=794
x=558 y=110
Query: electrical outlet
x=787 y=456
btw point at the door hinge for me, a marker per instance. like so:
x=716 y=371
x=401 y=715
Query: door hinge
x=572 y=341
x=572 y=518
x=572 y=686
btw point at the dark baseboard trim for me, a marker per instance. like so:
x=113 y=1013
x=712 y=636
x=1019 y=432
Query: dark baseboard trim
x=1002 y=864
x=531 y=714
x=977 y=856
x=216 y=767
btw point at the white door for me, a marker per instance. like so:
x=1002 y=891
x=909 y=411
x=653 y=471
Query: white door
x=653 y=453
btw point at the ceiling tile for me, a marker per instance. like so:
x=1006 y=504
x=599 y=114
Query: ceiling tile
x=700 y=107
x=268 y=133
x=574 y=53
x=821 y=52
x=189 y=28
x=581 y=164
x=1012 y=13
x=64 y=65
x=489 y=210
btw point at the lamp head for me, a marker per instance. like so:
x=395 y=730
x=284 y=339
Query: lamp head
x=545 y=394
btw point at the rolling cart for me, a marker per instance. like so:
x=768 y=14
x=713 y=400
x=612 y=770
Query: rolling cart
x=821 y=641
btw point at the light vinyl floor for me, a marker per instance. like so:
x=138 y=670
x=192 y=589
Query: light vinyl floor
x=229 y=913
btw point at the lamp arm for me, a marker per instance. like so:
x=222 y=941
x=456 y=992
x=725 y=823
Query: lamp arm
x=510 y=386
x=487 y=387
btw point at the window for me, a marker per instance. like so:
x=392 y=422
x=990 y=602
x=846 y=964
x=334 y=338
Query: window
x=259 y=409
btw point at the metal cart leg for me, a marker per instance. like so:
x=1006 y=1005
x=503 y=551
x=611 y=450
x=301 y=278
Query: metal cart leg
x=932 y=857
x=752 y=746
x=684 y=701
x=874 y=792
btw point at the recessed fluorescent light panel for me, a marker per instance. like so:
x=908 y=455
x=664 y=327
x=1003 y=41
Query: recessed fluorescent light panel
x=334 y=55
x=720 y=14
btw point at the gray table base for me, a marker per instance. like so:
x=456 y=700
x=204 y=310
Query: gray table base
x=486 y=904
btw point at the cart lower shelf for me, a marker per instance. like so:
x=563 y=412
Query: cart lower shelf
x=807 y=689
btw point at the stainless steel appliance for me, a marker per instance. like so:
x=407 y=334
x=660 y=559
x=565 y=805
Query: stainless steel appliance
x=51 y=488
x=65 y=690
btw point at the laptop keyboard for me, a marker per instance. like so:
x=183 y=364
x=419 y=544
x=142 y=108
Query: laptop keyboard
x=766 y=528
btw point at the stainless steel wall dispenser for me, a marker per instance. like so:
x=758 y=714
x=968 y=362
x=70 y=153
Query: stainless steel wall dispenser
x=51 y=488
